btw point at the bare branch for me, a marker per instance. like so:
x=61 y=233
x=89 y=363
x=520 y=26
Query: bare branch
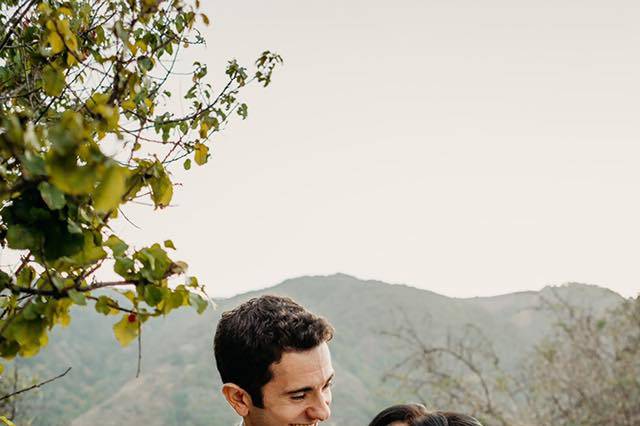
x=35 y=386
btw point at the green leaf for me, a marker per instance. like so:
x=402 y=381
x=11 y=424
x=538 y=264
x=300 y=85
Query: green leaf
x=169 y=244
x=187 y=164
x=5 y=279
x=145 y=63
x=53 y=81
x=57 y=282
x=124 y=267
x=59 y=242
x=108 y=195
x=161 y=189
x=77 y=297
x=126 y=330
x=66 y=135
x=73 y=227
x=33 y=164
x=60 y=312
x=20 y=237
x=155 y=262
x=89 y=252
x=52 y=196
x=71 y=178
x=26 y=277
x=198 y=302
x=243 y=111
x=117 y=246
x=192 y=282
x=31 y=335
x=105 y=305
x=3 y=419
x=121 y=32
x=32 y=311
x=152 y=295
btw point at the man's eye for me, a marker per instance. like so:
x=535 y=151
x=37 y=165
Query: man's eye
x=328 y=385
x=297 y=396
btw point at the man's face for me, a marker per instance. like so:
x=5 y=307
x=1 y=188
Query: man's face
x=299 y=393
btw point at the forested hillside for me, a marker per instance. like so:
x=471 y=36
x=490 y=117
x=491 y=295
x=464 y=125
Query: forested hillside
x=180 y=386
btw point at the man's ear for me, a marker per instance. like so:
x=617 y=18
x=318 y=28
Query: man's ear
x=238 y=398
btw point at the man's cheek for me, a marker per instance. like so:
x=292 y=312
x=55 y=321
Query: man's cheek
x=289 y=413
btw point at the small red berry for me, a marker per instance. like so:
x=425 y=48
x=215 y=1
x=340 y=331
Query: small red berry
x=132 y=318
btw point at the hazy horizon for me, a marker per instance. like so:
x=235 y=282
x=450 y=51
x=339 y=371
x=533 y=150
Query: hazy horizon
x=468 y=149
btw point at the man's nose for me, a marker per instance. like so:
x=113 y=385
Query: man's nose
x=320 y=409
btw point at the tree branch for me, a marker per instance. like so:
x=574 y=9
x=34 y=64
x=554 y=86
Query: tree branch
x=29 y=5
x=35 y=386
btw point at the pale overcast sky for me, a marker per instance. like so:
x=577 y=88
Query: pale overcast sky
x=469 y=148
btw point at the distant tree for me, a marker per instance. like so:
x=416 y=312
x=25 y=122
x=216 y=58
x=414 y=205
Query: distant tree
x=16 y=399
x=76 y=77
x=13 y=407
x=463 y=373
x=585 y=372
x=588 y=371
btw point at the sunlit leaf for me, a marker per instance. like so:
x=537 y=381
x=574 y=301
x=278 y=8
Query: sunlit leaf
x=55 y=42
x=109 y=193
x=3 y=419
x=161 y=189
x=71 y=178
x=117 y=246
x=201 y=153
x=126 y=330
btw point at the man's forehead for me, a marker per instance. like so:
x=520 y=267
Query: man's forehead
x=303 y=368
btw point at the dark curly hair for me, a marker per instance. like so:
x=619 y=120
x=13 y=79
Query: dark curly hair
x=254 y=335
x=418 y=415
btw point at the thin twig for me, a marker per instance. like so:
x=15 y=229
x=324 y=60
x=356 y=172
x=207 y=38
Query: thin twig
x=111 y=305
x=128 y=220
x=35 y=386
x=139 y=347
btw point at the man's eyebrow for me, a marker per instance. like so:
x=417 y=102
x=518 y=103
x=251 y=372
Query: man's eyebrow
x=309 y=388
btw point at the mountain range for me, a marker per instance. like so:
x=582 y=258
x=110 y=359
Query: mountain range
x=179 y=384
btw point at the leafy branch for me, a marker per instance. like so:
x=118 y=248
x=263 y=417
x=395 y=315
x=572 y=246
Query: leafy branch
x=75 y=77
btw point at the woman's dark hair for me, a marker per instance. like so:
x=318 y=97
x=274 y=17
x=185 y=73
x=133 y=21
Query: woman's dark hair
x=418 y=415
x=444 y=418
x=254 y=335
x=399 y=413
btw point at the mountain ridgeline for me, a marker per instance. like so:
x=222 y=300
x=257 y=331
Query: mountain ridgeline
x=179 y=384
